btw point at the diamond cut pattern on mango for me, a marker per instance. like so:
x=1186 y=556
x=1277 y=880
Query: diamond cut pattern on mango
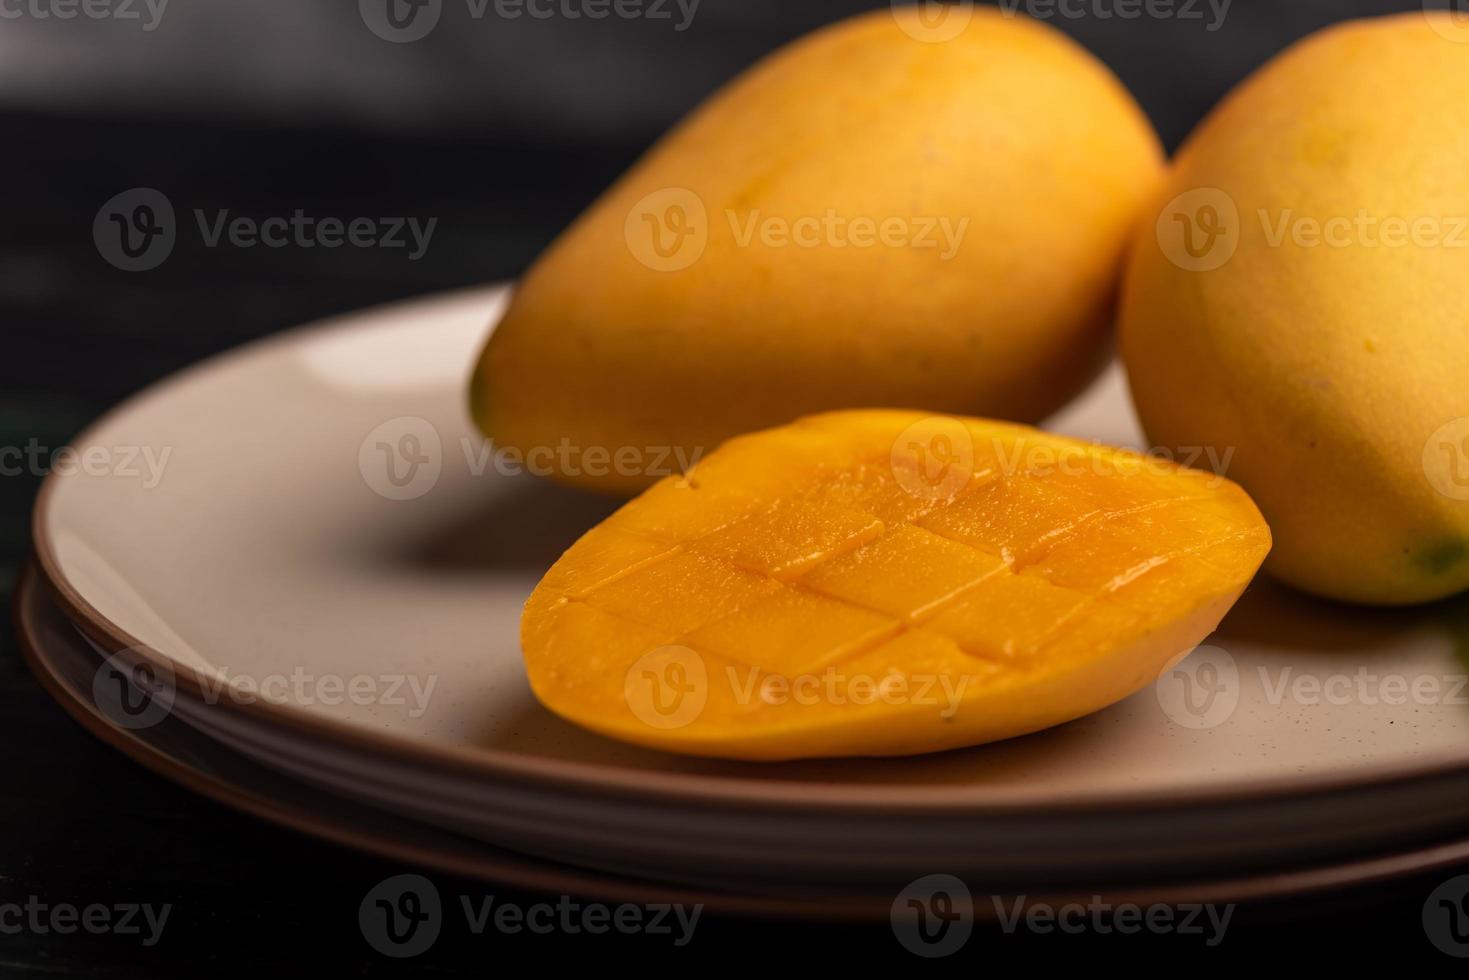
x=805 y=549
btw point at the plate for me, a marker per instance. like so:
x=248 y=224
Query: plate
x=315 y=511
x=67 y=667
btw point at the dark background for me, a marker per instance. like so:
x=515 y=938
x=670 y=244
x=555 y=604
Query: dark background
x=503 y=130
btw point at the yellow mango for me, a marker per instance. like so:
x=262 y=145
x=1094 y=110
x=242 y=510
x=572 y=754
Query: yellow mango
x=1296 y=303
x=876 y=215
x=883 y=583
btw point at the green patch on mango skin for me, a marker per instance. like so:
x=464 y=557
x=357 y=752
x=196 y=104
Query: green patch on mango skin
x=1442 y=556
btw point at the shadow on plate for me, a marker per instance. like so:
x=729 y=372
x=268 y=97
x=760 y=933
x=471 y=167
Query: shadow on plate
x=522 y=526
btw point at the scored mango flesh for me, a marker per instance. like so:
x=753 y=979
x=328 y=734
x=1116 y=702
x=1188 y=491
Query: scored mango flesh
x=885 y=583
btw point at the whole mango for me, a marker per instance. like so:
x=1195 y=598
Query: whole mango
x=903 y=209
x=1298 y=306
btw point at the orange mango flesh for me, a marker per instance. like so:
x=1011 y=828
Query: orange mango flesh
x=885 y=583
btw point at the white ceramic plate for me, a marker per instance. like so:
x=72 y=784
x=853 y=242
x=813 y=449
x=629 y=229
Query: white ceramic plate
x=241 y=521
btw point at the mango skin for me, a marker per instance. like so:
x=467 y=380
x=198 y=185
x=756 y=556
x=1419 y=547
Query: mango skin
x=1010 y=127
x=1327 y=369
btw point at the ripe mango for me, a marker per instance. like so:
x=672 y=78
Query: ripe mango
x=1297 y=301
x=879 y=214
x=884 y=583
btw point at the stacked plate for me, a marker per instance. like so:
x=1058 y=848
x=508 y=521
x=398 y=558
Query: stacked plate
x=314 y=568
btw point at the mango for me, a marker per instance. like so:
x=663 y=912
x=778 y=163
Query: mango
x=1297 y=303
x=879 y=214
x=885 y=583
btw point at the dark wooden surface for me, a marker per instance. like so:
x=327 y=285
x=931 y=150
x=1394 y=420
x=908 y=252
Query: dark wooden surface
x=81 y=824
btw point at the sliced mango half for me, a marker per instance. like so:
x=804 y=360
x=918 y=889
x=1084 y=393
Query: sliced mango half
x=886 y=583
